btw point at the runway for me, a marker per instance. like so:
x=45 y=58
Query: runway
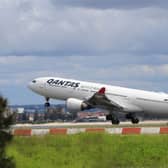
x=92 y=124
x=145 y=127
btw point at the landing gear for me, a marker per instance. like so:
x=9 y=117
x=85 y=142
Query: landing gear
x=113 y=118
x=47 y=104
x=134 y=119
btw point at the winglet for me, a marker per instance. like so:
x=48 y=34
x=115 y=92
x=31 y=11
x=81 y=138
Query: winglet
x=102 y=90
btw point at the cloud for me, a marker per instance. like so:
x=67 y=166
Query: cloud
x=20 y=70
x=135 y=73
x=161 y=69
x=40 y=28
x=9 y=60
x=116 y=42
x=111 y=4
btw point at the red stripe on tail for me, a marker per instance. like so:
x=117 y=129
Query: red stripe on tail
x=102 y=90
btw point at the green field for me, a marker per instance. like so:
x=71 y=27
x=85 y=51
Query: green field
x=90 y=151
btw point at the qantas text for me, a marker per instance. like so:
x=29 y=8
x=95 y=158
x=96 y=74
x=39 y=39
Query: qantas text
x=63 y=83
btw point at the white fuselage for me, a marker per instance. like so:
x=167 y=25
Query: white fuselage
x=59 y=88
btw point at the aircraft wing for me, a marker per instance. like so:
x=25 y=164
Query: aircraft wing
x=112 y=103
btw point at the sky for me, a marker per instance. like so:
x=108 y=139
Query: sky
x=118 y=42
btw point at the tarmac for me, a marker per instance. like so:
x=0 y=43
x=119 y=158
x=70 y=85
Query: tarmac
x=149 y=123
x=125 y=128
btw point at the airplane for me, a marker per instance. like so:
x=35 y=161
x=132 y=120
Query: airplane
x=81 y=95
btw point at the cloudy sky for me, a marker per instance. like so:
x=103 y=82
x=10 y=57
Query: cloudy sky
x=119 y=42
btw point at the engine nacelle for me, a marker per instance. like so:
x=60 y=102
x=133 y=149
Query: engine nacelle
x=76 y=105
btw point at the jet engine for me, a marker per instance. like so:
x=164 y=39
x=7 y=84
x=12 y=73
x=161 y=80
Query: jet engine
x=76 y=105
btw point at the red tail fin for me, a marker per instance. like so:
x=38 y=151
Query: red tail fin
x=102 y=90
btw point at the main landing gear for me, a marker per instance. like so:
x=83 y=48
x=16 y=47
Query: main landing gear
x=134 y=119
x=113 y=119
x=47 y=104
x=132 y=116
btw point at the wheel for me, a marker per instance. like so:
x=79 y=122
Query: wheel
x=115 y=121
x=108 y=117
x=47 y=104
x=135 y=120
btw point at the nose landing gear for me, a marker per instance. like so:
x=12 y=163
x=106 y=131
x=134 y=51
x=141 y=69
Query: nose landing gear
x=47 y=104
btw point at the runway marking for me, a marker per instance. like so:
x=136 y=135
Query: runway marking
x=131 y=130
x=164 y=130
x=23 y=132
x=150 y=130
x=69 y=131
x=58 y=131
x=40 y=131
x=95 y=130
x=114 y=130
x=75 y=130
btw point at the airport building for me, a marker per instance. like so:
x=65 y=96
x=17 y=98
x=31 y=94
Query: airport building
x=39 y=114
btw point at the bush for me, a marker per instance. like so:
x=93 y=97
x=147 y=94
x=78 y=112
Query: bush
x=6 y=120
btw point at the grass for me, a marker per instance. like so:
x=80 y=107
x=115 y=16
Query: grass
x=90 y=151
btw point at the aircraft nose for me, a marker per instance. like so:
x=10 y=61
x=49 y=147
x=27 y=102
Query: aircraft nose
x=31 y=85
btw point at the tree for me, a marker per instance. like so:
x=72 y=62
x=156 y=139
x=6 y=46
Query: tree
x=6 y=119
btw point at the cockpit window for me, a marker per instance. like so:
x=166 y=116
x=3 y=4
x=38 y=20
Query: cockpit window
x=34 y=81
